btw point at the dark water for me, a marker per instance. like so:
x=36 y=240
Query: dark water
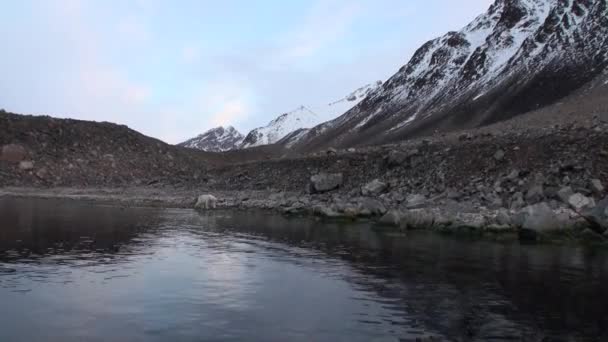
x=77 y=272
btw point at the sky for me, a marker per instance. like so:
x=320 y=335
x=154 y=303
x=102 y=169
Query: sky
x=173 y=69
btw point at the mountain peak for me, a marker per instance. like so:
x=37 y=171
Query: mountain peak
x=217 y=139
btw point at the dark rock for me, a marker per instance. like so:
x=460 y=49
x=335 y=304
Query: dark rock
x=397 y=158
x=324 y=182
x=599 y=215
x=13 y=153
x=535 y=194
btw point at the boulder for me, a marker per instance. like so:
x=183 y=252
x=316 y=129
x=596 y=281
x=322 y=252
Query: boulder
x=580 y=202
x=499 y=155
x=513 y=175
x=564 y=194
x=26 y=165
x=417 y=219
x=396 y=158
x=373 y=188
x=324 y=182
x=599 y=215
x=370 y=207
x=535 y=194
x=596 y=186
x=391 y=218
x=206 y=202
x=538 y=219
x=13 y=153
x=415 y=201
x=325 y=211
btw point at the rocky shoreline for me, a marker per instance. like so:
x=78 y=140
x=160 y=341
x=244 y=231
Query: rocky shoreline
x=578 y=219
x=534 y=180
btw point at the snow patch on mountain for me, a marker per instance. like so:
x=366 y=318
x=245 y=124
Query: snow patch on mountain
x=217 y=139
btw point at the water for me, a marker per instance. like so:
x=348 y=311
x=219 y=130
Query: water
x=74 y=271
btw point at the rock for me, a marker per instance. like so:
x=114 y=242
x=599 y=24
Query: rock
x=41 y=173
x=331 y=151
x=351 y=150
x=391 y=218
x=417 y=219
x=324 y=182
x=499 y=155
x=597 y=187
x=13 y=153
x=590 y=235
x=373 y=188
x=564 y=194
x=396 y=158
x=326 y=211
x=535 y=194
x=513 y=175
x=517 y=201
x=206 y=202
x=415 y=201
x=502 y=217
x=26 y=165
x=538 y=219
x=580 y=202
x=599 y=215
x=371 y=207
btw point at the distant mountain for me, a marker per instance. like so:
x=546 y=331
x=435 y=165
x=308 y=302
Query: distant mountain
x=218 y=139
x=305 y=117
x=518 y=56
x=276 y=129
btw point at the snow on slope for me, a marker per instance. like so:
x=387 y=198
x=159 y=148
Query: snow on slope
x=218 y=139
x=517 y=56
x=305 y=117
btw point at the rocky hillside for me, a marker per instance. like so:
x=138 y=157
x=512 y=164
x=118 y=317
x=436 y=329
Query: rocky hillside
x=217 y=139
x=518 y=56
x=44 y=151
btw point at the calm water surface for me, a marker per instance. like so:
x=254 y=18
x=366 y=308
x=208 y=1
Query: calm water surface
x=79 y=272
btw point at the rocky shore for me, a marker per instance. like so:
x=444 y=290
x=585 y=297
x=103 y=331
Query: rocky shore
x=533 y=181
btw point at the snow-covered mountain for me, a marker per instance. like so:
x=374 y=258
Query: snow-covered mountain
x=305 y=117
x=218 y=139
x=518 y=56
x=301 y=117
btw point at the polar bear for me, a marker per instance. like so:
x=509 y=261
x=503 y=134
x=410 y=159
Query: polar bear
x=206 y=202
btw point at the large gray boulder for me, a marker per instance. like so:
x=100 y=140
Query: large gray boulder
x=391 y=218
x=371 y=207
x=324 y=182
x=564 y=194
x=415 y=201
x=538 y=219
x=580 y=202
x=373 y=188
x=417 y=219
x=599 y=215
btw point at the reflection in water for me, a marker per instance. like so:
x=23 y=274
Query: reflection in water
x=74 y=271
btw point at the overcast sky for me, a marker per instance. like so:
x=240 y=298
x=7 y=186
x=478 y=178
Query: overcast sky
x=175 y=68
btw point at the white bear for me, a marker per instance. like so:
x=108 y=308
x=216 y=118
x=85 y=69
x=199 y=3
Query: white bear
x=206 y=202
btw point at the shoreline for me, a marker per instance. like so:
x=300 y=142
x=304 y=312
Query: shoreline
x=437 y=215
